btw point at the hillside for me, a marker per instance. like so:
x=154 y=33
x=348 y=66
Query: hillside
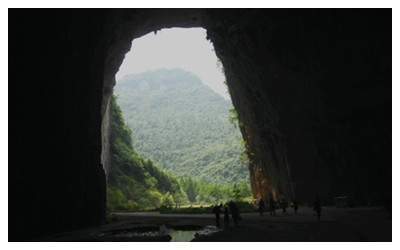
x=182 y=125
x=134 y=182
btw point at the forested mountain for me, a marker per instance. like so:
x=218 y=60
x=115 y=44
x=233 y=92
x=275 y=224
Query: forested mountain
x=182 y=125
x=135 y=183
x=132 y=180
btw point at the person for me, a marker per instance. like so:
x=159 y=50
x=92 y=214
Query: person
x=217 y=211
x=235 y=212
x=295 y=206
x=226 y=216
x=284 y=205
x=317 y=208
x=261 y=207
x=272 y=206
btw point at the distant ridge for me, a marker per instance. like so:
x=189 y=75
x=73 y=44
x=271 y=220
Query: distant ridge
x=162 y=78
x=182 y=125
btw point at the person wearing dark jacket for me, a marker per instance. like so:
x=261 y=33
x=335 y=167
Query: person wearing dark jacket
x=272 y=206
x=295 y=206
x=217 y=211
x=226 y=217
x=261 y=207
x=317 y=208
x=235 y=212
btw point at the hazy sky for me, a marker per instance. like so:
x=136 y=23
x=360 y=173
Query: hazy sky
x=170 y=48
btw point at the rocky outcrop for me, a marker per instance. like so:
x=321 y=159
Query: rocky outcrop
x=312 y=89
x=105 y=139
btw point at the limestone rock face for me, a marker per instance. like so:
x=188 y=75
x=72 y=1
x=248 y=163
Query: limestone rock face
x=105 y=139
x=312 y=89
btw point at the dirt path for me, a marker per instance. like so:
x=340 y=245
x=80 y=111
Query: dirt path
x=358 y=224
x=353 y=224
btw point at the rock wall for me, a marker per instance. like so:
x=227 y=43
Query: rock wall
x=105 y=139
x=313 y=92
x=56 y=181
x=312 y=89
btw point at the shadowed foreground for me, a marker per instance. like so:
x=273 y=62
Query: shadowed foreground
x=351 y=224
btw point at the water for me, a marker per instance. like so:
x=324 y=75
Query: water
x=182 y=236
x=177 y=235
x=188 y=235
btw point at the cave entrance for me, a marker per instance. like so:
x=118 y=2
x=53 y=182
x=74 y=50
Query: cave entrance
x=299 y=100
x=186 y=151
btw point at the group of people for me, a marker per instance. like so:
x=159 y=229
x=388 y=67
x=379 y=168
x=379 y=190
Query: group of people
x=233 y=209
x=284 y=205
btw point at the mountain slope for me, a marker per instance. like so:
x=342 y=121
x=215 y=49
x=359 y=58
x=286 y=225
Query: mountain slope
x=133 y=178
x=182 y=125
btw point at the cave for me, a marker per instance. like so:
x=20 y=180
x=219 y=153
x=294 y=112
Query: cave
x=312 y=88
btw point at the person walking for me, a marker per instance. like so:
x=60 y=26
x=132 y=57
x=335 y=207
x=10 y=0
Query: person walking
x=272 y=206
x=317 y=208
x=284 y=206
x=261 y=207
x=226 y=217
x=217 y=211
x=295 y=206
x=235 y=213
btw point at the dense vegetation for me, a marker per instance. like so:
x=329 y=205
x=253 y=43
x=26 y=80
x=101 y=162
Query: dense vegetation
x=135 y=183
x=183 y=126
x=209 y=193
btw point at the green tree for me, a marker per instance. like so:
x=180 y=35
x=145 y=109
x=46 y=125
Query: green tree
x=155 y=198
x=189 y=188
x=115 y=198
x=236 y=193
x=233 y=117
x=167 y=200
x=245 y=189
x=180 y=196
x=200 y=198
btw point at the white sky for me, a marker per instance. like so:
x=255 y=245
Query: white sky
x=177 y=47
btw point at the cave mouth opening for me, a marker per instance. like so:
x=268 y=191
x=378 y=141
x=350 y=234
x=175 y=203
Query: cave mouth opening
x=316 y=74
x=174 y=54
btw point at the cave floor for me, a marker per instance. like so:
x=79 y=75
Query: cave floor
x=336 y=225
